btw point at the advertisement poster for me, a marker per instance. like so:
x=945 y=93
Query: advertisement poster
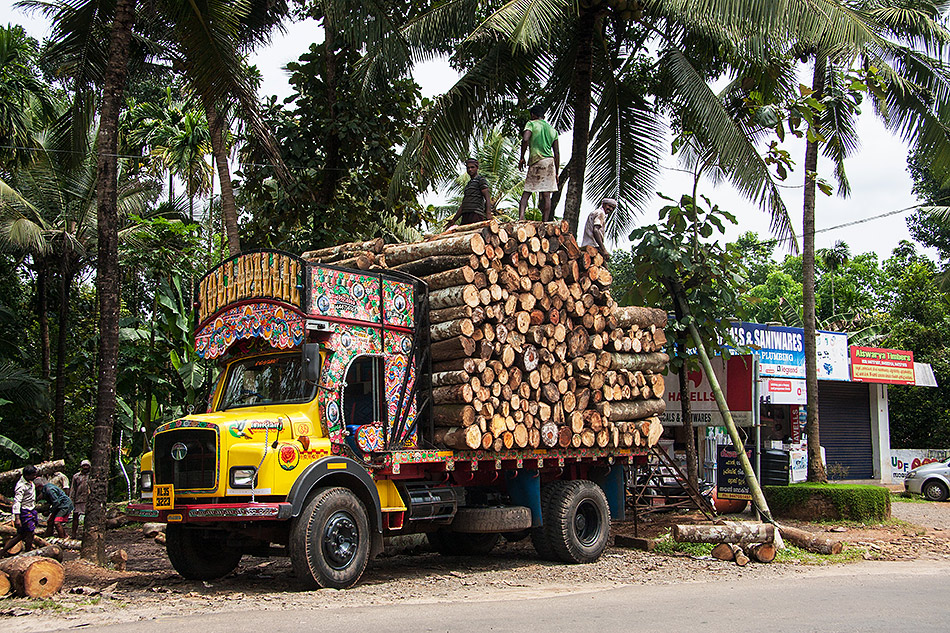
x=730 y=479
x=781 y=350
x=735 y=378
x=783 y=390
x=889 y=366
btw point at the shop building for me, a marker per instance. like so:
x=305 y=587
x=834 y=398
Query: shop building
x=852 y=399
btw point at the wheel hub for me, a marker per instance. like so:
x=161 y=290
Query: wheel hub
x=341 y=539
x=586 y=523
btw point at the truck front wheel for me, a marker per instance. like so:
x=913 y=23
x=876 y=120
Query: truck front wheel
x=329 y=541
x=199 y=555
x=576 y=521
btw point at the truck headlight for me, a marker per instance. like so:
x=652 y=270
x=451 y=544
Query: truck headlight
x=243 y=476
x=146 y=481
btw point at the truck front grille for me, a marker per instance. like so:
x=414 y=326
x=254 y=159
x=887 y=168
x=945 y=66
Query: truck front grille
x=187 y=458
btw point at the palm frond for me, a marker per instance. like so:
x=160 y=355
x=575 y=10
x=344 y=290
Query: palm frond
x=736 y=155
x=526 y=24
x=624 y=154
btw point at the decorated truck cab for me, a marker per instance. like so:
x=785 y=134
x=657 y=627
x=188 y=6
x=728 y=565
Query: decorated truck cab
x=318 y=440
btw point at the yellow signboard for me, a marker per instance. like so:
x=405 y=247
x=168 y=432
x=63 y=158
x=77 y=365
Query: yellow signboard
x=163 y=497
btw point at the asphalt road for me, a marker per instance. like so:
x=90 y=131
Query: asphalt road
x=863 y=597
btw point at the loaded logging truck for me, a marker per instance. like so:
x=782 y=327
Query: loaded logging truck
x=328 y=430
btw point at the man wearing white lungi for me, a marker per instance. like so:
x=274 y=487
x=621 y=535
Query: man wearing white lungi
x=544 y=159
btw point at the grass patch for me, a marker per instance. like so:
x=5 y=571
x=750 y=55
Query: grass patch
x=905 y=497
x=45 y=604
x=812 y=501
x=666 y=545
x=790 y=554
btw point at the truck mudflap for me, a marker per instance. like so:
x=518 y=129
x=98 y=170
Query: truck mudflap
x=211 y=513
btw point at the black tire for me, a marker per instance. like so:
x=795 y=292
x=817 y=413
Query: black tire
x=492 y=520
x=199 y=554
x=457 y=544
x=577 y=521
x=330 y=540
x=539 y=538
x=934 y=490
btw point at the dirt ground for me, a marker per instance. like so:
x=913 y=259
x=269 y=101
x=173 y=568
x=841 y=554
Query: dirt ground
x=151 y=589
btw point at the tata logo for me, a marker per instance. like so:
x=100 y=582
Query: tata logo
x=178 y=452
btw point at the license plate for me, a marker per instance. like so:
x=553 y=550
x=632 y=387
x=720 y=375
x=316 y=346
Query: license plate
x=163 y=497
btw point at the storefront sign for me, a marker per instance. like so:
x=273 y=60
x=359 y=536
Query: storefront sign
x=904 y=460
x=784 y=390
x=735 y=379
x=781 y=350
x=889 y=366
x=730 y=478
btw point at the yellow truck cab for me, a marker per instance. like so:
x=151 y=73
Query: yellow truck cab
x=318 y=439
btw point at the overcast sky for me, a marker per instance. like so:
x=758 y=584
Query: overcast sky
x=878 y=173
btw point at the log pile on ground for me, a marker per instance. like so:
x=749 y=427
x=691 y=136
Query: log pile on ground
x=529 y=349
x=738 y=541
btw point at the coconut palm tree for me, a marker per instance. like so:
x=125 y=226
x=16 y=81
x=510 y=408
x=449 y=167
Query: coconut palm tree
x=833 y=259
x=612 y=70
x=905 y=43
x=207 y=35
x=47 y=210
x=25 y=99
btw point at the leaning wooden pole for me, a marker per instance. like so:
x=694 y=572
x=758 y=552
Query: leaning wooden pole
x=758 y=498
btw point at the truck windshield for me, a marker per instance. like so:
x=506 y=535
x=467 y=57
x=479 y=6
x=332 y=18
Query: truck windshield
x=268 y=380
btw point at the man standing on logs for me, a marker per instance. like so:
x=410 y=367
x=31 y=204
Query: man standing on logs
x=594 y=228
x=476 y=198
x=24 y=510
x=543 y=162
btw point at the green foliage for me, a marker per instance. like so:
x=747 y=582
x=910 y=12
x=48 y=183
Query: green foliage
x=163 y=374
x=340 y=146
x=679 y=255
x=868 y=504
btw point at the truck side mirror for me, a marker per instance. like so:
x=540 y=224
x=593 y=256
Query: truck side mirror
x=311 y=362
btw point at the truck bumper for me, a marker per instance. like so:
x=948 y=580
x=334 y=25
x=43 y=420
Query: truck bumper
x=211 y=513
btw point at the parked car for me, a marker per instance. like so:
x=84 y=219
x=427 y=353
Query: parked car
x=930 y=480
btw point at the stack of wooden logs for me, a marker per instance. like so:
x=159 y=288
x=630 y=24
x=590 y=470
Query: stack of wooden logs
x=528 y=347
x=742 y=541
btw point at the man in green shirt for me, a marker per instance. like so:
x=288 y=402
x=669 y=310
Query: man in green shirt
x=543 y=162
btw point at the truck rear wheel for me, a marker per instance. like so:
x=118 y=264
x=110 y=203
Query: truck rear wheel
x=539 y=538
x=199 y=555
x=329 y=541
x=458 y=544
x=576 y=521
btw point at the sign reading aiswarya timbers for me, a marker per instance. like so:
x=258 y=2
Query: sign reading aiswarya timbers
x=890 y=366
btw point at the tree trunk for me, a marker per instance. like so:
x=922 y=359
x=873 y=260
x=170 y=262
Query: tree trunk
x=739 y=532
x=816 y=467
x=332 y=167
x=107 y=279
x=32 y=576
x=810 y=541
x=581 y=88
x=692 y=467
x=41 y=266
x=220 y=151
x=66 y=269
